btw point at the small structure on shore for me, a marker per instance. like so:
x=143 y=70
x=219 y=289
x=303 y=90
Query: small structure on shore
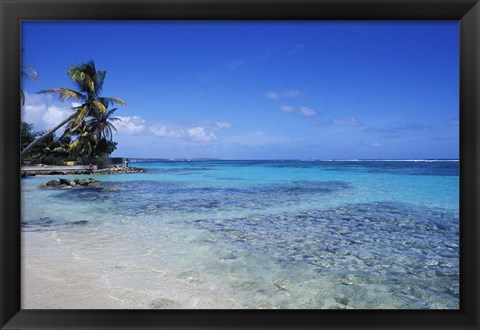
x=54 y=170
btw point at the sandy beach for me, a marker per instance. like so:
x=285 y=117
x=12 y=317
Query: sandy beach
x=64 y=284
x=60 y=274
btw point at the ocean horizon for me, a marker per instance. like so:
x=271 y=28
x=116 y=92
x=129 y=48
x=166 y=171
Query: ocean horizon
x=247 y=234
x=140 y=159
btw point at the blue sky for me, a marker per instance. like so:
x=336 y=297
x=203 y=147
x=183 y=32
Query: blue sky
x=260 y=90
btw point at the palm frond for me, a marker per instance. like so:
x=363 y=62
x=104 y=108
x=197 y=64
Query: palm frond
x=112 y=127
x=99 y=79
x=100 y=107
x=64 y=93
x=74 y=144
x=82 y=112
x=84 y=75
x=110 y=113
x=113 y=100
x=29 y=72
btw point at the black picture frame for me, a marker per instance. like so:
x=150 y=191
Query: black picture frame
x=467 y=12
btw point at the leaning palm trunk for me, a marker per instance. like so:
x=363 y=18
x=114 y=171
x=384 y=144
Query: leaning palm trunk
x=44 y=136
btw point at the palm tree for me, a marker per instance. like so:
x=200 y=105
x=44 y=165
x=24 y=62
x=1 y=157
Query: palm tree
x=83 y=145
x=28 y=72
x=102 y=125
x=89 y=82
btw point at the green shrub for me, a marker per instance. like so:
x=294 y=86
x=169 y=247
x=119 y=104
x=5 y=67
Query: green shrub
x=102 y=162
x=51 y=160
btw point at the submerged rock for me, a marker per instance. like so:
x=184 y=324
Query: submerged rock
x=53 y=183
x=64 y=182
x=282 y=284
x=24 y=174
x=164 y=303
x=67 y=184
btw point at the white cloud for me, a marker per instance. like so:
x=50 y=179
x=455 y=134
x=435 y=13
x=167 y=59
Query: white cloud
x=195 y=134
x=130 y=125
x=40 y=111
x=307 y=112
x=44 y=113
x=210 y=124
x=291 y=93
x=164 y=131
x=196 y=131
x=223 y=125
x=271 y=95
x=32 y=113
x=453 y=121
x=199 y=134
x=352 y=122
x=55 y=115
x=287 y=108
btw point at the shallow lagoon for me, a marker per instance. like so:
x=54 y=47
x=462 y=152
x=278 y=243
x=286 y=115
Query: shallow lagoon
x=251 y=234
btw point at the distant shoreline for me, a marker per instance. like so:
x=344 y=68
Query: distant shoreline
x=286 y=160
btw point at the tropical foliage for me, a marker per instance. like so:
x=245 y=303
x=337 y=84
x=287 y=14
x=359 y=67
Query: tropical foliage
x=91 y=125
x=52 y=150
x=89 y=129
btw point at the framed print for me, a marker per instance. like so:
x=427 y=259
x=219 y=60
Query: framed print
x=240 y=164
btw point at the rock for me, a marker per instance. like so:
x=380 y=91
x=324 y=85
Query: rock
x=65 y=181
x=93 y=182
x=282 y=284
x=108 y=170
x=53 y=183
x=164 y=303
x=24 y=174
x=119 y=170
x=67 y=184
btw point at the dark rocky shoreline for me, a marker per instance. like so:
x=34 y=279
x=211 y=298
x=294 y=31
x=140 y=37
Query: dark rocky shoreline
x=65 y=183
x=76 y=184
x=119 y=170
x=108 y=170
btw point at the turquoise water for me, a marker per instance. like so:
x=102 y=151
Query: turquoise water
x=261 y=234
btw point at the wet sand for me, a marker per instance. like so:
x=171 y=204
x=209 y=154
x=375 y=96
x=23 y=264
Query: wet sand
x=62 y=282
x=55 y=276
